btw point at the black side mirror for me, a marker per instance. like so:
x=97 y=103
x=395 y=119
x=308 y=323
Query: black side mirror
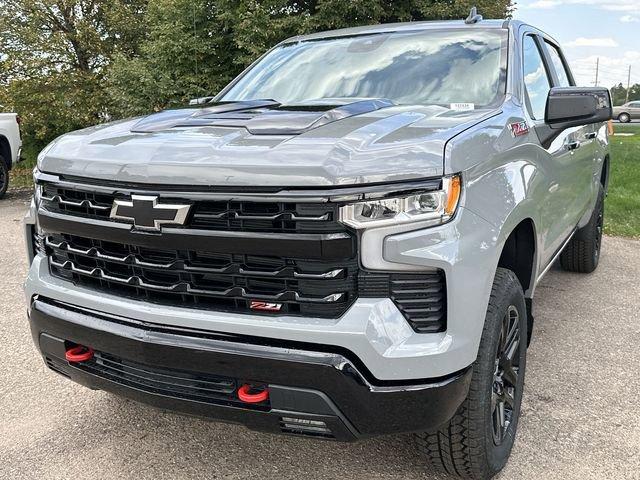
x=571 y=107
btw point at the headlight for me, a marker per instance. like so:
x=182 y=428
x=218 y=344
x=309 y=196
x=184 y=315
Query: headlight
x=438 y=206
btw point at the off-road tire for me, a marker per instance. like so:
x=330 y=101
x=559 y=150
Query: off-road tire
x=624 y=118
x=582 y=253
x=465 y=445
x=4 y=177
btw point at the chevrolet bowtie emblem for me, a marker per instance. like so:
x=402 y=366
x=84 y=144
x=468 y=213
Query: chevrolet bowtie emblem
x=147 y=214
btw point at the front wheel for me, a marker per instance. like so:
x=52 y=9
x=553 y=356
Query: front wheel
x=624 y=118
x=477 y=441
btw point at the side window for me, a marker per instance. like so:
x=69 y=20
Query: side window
x=558 y=65
x=536 y=79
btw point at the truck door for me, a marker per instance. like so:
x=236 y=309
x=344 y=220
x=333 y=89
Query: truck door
x=587 y=164
x=568 y=163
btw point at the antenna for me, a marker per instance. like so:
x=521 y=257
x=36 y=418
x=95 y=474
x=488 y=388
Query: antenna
x=473 y=17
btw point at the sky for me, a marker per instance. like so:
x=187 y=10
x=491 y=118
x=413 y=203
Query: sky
x=588 y=30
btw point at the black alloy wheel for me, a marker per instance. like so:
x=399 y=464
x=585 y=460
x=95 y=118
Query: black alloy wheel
x=505 y=377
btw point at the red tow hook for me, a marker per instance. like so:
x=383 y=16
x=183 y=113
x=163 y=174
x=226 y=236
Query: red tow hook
x=245 y=395
x=79 y=353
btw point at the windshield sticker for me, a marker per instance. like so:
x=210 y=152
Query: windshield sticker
x=462 y=106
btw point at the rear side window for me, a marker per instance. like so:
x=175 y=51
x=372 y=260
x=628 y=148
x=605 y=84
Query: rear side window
x=536 y=80
x=558 y=65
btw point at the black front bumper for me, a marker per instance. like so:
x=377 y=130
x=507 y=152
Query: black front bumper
x=182 y=370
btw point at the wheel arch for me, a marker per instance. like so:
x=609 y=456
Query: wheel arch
x=604 y=174
x=5 y=151
x=519 y=254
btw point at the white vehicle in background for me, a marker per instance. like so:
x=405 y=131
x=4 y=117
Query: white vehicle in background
x=10 y=146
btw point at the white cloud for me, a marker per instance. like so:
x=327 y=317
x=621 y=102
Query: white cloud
x=612 y=70
x=592 y=42
x=629 y=19
x=534 y=76
x=621 y=7
x=544 y=4
x=612 y=5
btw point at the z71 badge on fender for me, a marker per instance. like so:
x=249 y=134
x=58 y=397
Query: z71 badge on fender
x=518 y=129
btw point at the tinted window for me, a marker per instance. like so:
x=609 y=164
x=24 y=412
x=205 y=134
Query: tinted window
x=427 y=67
x=559 y=66
x=635 y=104
x=535 y=78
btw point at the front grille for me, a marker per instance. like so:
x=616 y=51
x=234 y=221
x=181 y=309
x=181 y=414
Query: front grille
x=206 y=280
x=268 y=271
x=285 y=217
x=421 y=297
x=176 y=383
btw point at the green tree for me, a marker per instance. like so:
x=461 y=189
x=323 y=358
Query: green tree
x=194 y=47
x=54 y=57
x=619 y=93
x=67 y=64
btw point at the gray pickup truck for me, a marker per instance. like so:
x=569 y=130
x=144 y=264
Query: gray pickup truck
x=345 y=242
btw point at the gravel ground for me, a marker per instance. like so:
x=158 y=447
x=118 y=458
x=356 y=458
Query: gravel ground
x=581 y=415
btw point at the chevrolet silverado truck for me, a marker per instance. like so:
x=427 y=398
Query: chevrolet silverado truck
x=10 y=147
x=344 y=242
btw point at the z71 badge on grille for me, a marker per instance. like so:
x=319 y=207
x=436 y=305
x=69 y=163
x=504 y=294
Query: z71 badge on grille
x=265 y=306
x=147 y=214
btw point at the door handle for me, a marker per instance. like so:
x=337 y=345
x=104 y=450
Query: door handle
x=573 y=145
x=591 y=135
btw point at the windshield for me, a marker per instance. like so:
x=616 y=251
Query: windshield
x=426 y=67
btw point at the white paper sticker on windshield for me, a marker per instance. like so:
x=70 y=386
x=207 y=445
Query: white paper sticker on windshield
x=462 y=106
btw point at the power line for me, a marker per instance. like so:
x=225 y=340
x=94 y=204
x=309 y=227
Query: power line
x=605 y=74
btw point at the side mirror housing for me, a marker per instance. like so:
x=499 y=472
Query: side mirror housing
x=571 y=107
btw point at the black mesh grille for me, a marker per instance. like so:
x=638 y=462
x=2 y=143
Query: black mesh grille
x=421 y=297
x=205 y=280
x=229 y=281
x=275 y=217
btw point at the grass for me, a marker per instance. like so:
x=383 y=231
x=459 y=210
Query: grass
x=622 y=214
x=21 y=175
x=622 y=207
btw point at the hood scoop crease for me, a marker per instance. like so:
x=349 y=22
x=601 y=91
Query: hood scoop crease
x=259 y=117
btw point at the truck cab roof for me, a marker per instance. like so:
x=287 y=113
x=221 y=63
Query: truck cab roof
x=510 y=24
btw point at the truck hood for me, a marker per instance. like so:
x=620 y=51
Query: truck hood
x=260 y=143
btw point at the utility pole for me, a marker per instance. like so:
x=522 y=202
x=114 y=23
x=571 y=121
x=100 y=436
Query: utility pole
x=628 y=84
x=597 y=68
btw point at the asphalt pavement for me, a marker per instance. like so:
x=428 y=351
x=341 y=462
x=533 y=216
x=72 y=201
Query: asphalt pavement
x=580 y=419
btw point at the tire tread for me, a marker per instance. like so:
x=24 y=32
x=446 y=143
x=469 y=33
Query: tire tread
x=457 y=448
x=578 y=254
x=5 y=170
